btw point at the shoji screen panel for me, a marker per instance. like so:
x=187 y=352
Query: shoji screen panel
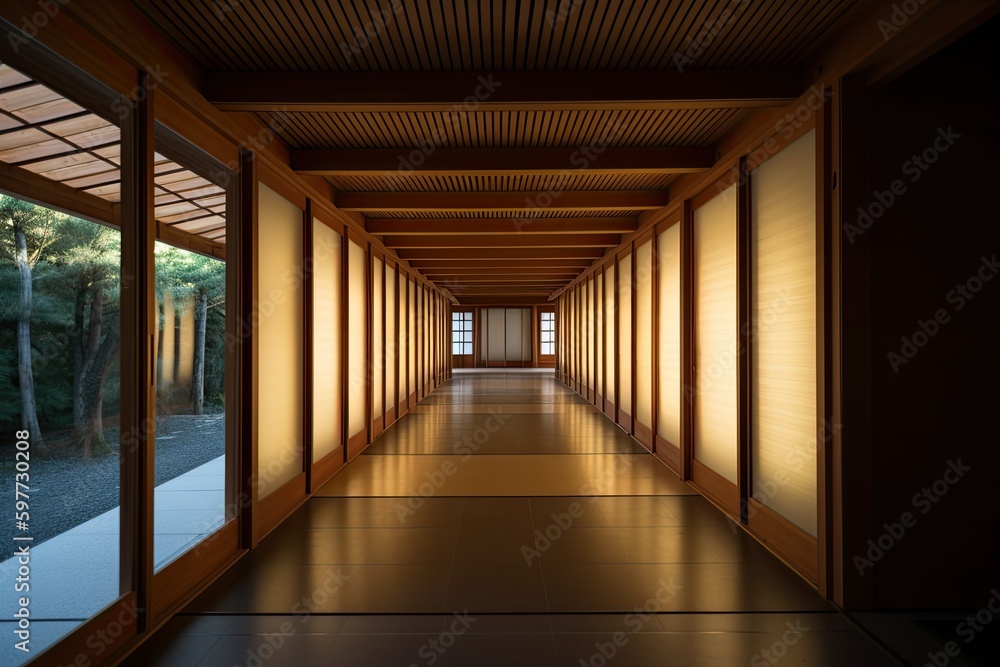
x=783 y=307
x=496 y=329
x=411 y=338
x=599 y=334
x=644 y=343
x=625 y=341
x=391 y=340
x=716 y=345
x=357 y=325
x=281 y=342
x=591 y=363
x=403 y=345
x=378 y=349
x=526 y=331
x=669 y=390
x=512 y=335
x=610 y=327
x=327 y=331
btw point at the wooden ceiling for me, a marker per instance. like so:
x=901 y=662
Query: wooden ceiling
x=499 y=146
x=43 y=133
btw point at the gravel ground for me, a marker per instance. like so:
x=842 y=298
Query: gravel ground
x=67 y=492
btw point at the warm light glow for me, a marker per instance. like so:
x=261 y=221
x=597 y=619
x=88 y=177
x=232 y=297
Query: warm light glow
x=357 y=379
x=716 y=358
x=599 y=330
x=625 y=334
x=644 y=334
x=280 y=340
x=610 y=324
x=327 y=373
x=390 y=337
x=668 y=422
x=784 y=422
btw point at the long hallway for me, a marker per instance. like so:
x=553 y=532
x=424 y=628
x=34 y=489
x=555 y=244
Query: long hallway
x=505 y=521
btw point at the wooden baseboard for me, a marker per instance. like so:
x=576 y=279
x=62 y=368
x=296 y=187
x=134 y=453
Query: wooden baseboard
x=625 y=420
x=644 y=435
x=378 y=425
x=669 y=453
x=357 y=444
x=609 y=409
x=717 y=488
x=328 y=466
x=413 y=399
x=173 y=583
x=273 y=509
x=789 y=542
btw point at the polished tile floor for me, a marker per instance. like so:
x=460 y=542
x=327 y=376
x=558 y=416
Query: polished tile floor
x=505 y=521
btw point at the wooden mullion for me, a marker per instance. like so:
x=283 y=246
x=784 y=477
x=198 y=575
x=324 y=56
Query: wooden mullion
x=744 y=336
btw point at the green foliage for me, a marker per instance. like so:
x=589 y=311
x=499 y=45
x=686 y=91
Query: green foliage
x=71 y=257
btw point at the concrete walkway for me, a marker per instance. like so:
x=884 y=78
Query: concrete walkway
x=75 y=574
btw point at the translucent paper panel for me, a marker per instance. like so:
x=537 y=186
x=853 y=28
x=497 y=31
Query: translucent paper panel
x=644 y=333
x=357 y=379
x=668 y=422
x=526 y=351
x=512 y=334
x=280 y=336
x=390 y=337
x=327 y=331
x=610 y=325
x=411 y=339
x=404 y=345
x=783 y=362
x=599 y=332
x=378 y=351
x=496 y=331
x=625 y=334
x=716 y=345
x=589 y=315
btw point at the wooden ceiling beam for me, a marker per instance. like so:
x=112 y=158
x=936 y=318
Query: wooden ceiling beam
x=503 y=300
x=501 y=91
x=475 y=279
x=503 y=271
x=437 y=202
x=500 y=253
x=439 y=226
x=402 y=162
x=464 y=264
x=511 y=240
